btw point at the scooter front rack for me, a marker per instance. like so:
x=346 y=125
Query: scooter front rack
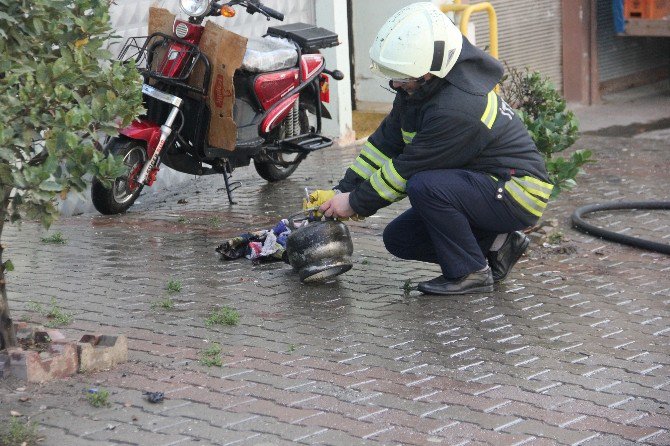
x=168 y=59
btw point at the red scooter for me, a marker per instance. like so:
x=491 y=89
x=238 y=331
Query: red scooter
x=271 y=107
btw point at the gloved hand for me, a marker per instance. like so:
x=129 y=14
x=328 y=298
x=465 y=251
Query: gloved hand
x=317 y=198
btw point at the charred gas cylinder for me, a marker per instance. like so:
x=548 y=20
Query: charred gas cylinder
x=320 y=250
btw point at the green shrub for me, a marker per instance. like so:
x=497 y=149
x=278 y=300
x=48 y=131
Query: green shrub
x=16 y=433
x=223 y=316
x=211 y=356
x=55 y=239
x=98 y=398
x=61 y=87
x=174 y=286
x=167 y=304
x=60 y=92
x=57 y=317
x=552 y=126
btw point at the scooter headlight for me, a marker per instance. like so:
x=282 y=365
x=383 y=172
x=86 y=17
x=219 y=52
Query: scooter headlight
x=195 y=8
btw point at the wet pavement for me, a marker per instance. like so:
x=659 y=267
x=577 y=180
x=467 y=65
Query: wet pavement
x=572 y=349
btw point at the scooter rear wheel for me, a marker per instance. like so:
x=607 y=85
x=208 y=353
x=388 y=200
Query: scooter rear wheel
x=274 y=171
x=124 y=190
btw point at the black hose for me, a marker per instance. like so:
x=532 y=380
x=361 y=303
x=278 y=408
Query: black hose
x=580 y=224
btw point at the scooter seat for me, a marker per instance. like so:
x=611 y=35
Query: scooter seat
x=269 y=54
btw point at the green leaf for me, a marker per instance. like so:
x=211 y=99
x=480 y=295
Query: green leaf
x=51 y=186
x=72 y=140
x=7 y=154
x=66 y=55
x=37 y=24
x=8 y=265
x=59 y=67
x=41 y=74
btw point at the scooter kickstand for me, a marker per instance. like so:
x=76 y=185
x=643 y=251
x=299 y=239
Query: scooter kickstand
x=230 y=187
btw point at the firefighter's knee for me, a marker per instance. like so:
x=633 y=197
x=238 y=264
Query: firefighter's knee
x=418 y=187
x=392 y=240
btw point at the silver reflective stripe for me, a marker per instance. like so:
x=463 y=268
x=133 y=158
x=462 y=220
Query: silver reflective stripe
x=393 y=177
x=384 y=190
x=374 y=155
x=362 y=168
x=534 y=186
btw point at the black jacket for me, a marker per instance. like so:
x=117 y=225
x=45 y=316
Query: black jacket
x=453 y=123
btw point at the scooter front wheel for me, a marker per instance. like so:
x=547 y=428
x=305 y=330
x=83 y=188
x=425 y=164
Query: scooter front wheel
x=125 y=189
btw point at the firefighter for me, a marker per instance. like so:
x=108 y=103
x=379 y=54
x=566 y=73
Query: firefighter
x=473 y=175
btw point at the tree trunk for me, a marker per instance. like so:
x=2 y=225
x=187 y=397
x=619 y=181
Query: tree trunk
x=7 y=334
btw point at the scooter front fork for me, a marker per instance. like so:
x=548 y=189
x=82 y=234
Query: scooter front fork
x=166 y=130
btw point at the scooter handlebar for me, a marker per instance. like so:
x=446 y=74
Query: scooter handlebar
x=254 y=6
x=271 y=12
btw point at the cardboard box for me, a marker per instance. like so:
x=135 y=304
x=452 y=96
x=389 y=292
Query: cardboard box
x=646 y=9
x=225 y=50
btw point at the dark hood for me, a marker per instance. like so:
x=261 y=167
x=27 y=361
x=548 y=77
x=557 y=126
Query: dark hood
x=475 y=71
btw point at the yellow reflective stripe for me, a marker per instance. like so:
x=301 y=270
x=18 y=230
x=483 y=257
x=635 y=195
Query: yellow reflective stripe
x=529 y=202
x=407 y=137
x=526 y=190
x=530 y=179
x=529 y=187
x=535 y=186
x=521 y=202
x=362 y=168
x=491 y=112
x=487 y=111
x=536 y=201
x=374 y=155
x=384 y=190
x=393 y=177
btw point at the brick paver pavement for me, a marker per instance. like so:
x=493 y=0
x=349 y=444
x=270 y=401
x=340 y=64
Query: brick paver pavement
x=572 y=349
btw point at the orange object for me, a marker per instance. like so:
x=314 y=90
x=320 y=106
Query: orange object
x=227 y=11
x=325 y=88
x=646 y=9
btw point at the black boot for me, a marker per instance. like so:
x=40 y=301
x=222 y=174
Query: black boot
x=502 y=260
x=477 y=282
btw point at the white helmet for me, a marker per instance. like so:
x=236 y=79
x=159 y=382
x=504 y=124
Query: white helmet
x=418 y=39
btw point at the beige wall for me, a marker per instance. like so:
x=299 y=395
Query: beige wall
x=529 y=34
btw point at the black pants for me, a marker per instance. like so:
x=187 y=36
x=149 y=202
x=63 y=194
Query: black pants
x=453 y=221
